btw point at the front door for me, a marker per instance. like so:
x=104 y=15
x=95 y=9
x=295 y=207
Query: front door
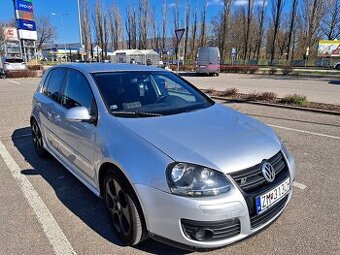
x=78 y=138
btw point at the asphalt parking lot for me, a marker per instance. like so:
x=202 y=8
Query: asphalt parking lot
x=71 y=220
x=319 y=90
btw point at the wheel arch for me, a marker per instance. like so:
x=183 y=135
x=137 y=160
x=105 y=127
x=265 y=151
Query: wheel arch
x=109 y=166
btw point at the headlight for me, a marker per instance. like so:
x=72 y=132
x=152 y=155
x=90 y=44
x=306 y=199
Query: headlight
x=192 y=180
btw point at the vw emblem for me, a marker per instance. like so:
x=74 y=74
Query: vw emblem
x=268 y=172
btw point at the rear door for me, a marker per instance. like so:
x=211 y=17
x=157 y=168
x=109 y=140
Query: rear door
x=50 y=107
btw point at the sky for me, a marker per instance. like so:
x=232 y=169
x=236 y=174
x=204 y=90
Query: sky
x=47 y=7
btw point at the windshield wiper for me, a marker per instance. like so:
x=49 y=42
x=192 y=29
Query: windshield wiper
x=138 y=114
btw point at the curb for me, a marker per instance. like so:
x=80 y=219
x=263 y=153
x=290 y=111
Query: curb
x=276 y=105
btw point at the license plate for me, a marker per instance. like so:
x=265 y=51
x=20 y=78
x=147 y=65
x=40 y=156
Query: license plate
x=265 y=201
x=202 y=66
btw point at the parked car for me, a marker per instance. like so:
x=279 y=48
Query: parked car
x=13 y=64
x=170 y=163
x=208 y=61
x=337 y=66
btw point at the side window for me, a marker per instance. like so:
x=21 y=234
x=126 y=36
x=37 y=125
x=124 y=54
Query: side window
x=78 y=93
x=54 y=84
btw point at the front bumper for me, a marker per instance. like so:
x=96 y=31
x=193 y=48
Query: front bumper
x=164 y=214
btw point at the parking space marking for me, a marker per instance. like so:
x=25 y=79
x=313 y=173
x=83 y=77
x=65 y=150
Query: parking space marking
x=306 y=132
x=53 y=232
x=299 y=185
x=14 y=82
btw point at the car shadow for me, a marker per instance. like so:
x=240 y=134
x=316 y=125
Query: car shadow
x=187 y=74
x=75 y=196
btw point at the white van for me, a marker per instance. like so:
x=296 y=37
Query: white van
x=208 y=61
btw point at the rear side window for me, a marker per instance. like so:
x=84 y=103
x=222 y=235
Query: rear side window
x=78 y=93
x=54 y=83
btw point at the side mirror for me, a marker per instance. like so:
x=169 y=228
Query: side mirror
x=78 y=114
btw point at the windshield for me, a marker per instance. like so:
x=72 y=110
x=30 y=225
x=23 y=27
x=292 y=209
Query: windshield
x=148 y=94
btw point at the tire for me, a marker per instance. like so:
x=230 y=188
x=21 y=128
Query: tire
x=126 y=217
x=37 y=139
x=337 y=67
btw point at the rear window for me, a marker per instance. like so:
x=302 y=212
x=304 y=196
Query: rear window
x=54 y=83
x=14 y=60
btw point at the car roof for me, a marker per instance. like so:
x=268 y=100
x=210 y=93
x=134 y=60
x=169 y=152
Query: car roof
x=105 y=67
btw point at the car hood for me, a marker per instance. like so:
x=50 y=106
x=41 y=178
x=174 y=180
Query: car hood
x=216 y=137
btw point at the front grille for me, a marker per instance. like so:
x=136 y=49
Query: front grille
x=252 y=179
x=258 y=220
x=220 y=229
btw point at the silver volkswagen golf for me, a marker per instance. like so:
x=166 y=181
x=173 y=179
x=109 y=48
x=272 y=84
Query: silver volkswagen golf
x=170 y=163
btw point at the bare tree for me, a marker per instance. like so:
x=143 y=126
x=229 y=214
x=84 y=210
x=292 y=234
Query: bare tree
x=291 y=27
x=164 y=23
x=187 y=26
x=194 y=31
x=331 y=23
x=313 y=12
x=225 y=26
x=154 y=28
x=86 y=26
x=260 y=32
x=247 y=26
x=98 y=21
x=116 y=27
x=203 y=24
x=45 y=30
x=131 y=26
x=276 y=11
x=144 y=23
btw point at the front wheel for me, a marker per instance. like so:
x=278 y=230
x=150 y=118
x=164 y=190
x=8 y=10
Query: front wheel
x=337 y=67
x=123 y=210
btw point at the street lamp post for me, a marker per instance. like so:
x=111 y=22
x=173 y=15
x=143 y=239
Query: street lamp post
x=64 y=32
x=80 y=28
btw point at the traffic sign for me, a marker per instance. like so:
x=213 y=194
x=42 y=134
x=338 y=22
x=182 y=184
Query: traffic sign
x=179 y=34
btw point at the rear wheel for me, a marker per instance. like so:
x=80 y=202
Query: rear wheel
x=37 y=139
x=337 y=67
x=123 y=210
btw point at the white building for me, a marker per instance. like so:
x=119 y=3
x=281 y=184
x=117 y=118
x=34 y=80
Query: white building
x=137 y=56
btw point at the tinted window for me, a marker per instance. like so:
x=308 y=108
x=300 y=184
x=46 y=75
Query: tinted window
x=55 y=81
x=149 y=92
x=14 y=60
x=78 y=93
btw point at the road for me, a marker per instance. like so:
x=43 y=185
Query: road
x=74 y=220
x=320 y=90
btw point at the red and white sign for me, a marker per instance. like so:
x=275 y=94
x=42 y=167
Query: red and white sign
x=11 y=34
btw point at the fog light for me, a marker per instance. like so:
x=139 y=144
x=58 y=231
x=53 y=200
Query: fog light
x=203 y=234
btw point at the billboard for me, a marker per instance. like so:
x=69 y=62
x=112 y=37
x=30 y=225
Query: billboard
x=329 y=48
x=25 y=19
x=11 y=34
x=25 y=6
x=25 y=15
x=26 y=25
x=28 y=35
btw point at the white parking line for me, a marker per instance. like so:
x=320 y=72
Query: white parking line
x=53 y=232
x=15 y=82
x=307 y=132
x=299 y=185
